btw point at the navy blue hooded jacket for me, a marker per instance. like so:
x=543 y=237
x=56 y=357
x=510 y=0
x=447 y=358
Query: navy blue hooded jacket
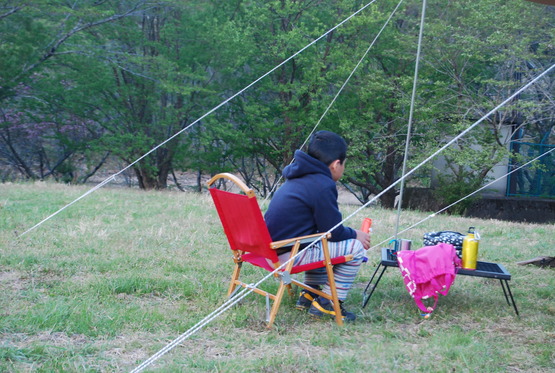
x=306 y=203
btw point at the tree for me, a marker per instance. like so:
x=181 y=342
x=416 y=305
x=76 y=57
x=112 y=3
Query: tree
x=37 y=137
x=476 y=69
x=281 y=111
x=373 y=113
x=468 y=67
x=128 y=75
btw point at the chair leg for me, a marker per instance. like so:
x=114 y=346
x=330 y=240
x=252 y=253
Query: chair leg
x=277 y=302
x=290 y=290
x=335 y=301
x=234 y=278
x=331 y=281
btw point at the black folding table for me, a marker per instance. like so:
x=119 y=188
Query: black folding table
x=483 y=269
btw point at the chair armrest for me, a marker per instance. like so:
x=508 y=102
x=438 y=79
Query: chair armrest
x=303 y=239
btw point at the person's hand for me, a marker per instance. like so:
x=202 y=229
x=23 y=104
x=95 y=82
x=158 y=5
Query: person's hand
x=364 y=238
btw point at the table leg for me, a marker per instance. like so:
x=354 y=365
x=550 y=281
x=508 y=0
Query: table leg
x=366 y=297
x=508 y=293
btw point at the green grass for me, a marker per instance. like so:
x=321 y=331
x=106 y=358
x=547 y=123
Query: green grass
x=111 y=280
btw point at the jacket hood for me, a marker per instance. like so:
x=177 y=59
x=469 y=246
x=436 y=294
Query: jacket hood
x=305 y=164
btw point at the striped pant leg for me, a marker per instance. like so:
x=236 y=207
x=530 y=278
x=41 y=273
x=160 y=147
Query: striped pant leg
x=344 y=273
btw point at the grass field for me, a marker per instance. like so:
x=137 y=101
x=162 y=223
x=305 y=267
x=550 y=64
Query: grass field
x=111 y=280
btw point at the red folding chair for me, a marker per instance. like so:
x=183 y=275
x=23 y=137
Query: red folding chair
x=250 y=242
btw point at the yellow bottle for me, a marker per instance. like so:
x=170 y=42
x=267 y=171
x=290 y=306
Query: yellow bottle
x=470 y=249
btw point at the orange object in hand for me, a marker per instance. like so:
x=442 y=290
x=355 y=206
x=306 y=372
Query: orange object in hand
x=366 y=225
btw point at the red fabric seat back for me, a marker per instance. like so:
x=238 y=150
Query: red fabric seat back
x=243 y=223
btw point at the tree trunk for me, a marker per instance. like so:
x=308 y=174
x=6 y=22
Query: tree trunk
x=149 y=180
x=388 y=198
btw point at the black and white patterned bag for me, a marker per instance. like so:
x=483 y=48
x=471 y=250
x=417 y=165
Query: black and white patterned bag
x=450 y=237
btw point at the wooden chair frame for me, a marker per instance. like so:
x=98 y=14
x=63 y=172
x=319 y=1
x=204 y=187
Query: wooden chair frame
x=283 y=274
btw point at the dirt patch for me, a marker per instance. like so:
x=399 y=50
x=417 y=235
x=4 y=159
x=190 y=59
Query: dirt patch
x=11 y=281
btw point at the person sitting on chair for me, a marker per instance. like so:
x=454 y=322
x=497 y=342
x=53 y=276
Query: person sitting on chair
x=307 y=204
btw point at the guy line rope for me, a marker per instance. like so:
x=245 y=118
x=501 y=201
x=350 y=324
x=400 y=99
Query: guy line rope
x=339 y=91
x=449 y=143
x=244 y=292
x=234 y=299
x=411 y=111
x=112 y=177
x=433 y=215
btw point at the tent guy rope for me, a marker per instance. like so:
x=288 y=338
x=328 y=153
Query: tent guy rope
x=244 y=292
x=433 y=215
x=340 y=90
x=209 y=112
x=449 y=143
x=411 y=112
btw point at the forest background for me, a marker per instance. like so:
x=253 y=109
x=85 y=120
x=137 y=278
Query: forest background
x=87 y=84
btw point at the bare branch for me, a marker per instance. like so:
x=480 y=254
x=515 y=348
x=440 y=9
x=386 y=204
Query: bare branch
x=79 y=28
x=12 y=11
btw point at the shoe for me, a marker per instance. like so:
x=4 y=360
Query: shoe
x=323 y=306
x=305 y=300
